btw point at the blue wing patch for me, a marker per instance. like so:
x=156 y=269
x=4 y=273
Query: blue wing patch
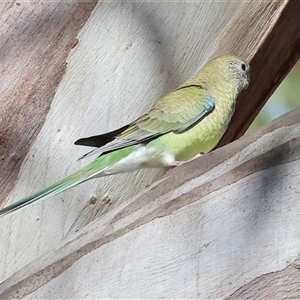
x=208 y=107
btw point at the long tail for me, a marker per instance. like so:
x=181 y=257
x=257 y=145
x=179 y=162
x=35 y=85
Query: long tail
x=94 y=169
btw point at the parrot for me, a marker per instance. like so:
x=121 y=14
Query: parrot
x=185 y=123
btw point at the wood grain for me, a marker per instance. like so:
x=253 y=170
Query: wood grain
x=209 y=229
x=278 y=52
x=282 y=284
x=128 y=55
x=36 y=38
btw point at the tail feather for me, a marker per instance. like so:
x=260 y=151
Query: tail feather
x=76 y=178
x=96 y=168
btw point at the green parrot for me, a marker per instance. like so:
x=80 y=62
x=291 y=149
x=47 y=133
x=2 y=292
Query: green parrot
x=186 y=122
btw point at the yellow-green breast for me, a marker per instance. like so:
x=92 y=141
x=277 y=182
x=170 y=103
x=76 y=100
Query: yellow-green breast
x=204 y=136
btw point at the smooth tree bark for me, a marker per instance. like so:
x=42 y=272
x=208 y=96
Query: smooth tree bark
x=74 y=69
x=225 y=225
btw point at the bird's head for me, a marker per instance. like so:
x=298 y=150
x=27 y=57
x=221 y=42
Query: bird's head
x=233 y=69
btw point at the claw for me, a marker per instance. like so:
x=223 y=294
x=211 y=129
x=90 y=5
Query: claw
x=177 y=163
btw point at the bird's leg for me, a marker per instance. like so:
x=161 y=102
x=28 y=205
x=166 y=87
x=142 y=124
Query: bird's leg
x=177 y=163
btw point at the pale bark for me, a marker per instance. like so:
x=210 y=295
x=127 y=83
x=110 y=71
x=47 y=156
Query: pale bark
x=224 y=225
x=124 y=57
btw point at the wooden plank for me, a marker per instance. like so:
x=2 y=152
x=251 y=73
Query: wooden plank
x=128 y=55
x=218 y=226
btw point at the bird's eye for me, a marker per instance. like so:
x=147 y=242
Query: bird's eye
x=243 y=66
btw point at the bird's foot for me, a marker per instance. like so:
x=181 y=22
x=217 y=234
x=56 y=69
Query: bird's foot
x=177 y=163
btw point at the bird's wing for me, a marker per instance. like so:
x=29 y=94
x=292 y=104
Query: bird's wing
x=177 y=112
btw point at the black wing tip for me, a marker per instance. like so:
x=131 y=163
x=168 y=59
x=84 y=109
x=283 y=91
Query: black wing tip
x=100 y=140
x=80 y=142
